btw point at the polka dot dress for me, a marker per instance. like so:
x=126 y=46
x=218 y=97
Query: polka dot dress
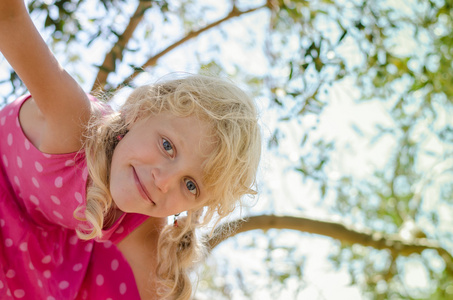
x=41 y=256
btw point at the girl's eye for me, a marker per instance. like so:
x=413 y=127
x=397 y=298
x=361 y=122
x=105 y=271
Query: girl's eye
x=168 y=147
x=191 y=186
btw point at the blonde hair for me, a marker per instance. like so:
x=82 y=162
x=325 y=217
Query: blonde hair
x=228 y=173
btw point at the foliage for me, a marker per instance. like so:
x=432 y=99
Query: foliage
x=310 y=63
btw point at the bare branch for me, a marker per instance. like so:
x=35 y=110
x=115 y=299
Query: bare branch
x=334 y=230
x=109 y=64
x=153 y=60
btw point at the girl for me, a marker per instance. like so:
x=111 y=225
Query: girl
x=85 y=192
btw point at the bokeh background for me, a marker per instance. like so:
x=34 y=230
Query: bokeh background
x=355 y=101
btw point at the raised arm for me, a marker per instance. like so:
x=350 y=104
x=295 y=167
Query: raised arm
x=64 y=106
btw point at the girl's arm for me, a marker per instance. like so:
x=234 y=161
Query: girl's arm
x=61 y=104
x=140 y=250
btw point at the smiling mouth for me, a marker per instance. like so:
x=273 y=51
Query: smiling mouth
x=142 y=190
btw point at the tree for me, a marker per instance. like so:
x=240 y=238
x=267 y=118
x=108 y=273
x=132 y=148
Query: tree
x=383 y=183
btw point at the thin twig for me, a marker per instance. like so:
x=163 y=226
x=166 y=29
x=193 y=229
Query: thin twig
x=153 y=60
x=116 y=52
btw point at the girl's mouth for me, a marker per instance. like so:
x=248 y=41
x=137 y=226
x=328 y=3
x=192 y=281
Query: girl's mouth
x=141 y=189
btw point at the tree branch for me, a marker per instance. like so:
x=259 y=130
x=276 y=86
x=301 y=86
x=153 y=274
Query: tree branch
x=153 y=60
x=334 y=230
x=109 y=64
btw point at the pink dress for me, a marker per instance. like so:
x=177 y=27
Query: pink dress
x=40 y=254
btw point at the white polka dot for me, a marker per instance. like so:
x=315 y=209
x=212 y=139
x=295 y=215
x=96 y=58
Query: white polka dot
x=9 y=139
x=2 y=222
x=46 y=259
x=85 y=173
x=50 y=298
x=17 y=122
x=120 y=230
x=55 y=200
x=44 y=233
x=34 y=200
x=47 y=274
x=10 y=112
x=35 y=182
x=57 y=214
x=8 y=242
x=73 y=240
x=38 y=167
x=8 y=292
x=46 y=155
x=108 y=244
x=40 y=283
x=11 y=273
x=89 y=247
x=1 y=284
x=78 y=197
x=5 y=160
x=30 y=265
x=59 y=182
x=77 y=267
x=80 y=214
x=27 y=144
x=63 y=285
x=115 y=264
x=19 y=162
x=69 y=163
x=123 y=288
x=16 y=180
x=23 y=247
x=19 y=293
x=99 y=280
x=2 y=120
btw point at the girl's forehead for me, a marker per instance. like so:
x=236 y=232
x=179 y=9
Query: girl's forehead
x=188 y=133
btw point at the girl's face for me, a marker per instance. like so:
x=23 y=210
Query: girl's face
x=157 y=167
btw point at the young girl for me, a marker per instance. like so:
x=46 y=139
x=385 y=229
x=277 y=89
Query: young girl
x=85 y=192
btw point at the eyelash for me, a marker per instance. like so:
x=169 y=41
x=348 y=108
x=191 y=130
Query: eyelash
x=169 y=144
x=172 y=148
x=186 y=180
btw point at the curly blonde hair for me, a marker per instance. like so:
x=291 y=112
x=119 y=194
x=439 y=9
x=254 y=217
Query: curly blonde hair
x=229 y=171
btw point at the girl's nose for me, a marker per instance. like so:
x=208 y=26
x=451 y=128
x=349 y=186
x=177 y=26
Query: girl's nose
x=163 y=179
